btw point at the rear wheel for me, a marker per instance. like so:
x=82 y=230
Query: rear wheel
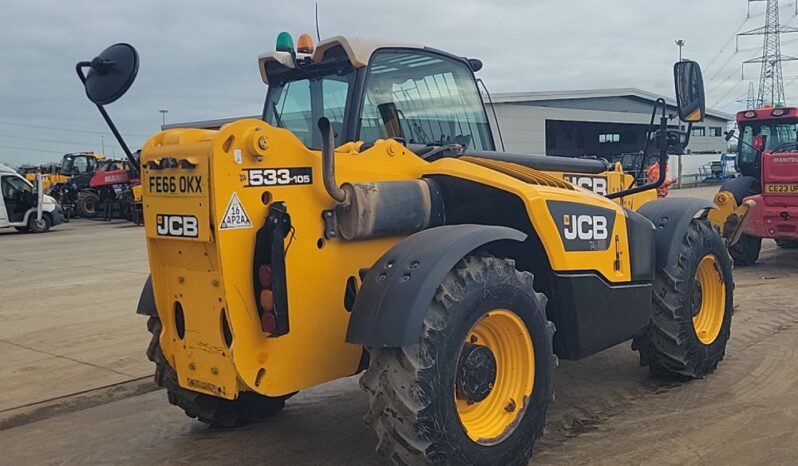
x=87 y=204
x=746 y=250
x=693 y=302
x=246 y=408
x=475 y=390
x=787 y=243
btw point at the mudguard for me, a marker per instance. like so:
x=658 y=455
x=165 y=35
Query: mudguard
x=390 y=306
x=671 y=217
x=146 y=305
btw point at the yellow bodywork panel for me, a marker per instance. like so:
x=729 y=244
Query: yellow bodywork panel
x=202 y=212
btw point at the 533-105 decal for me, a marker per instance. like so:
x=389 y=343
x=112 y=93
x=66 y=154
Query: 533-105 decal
x=255 y=177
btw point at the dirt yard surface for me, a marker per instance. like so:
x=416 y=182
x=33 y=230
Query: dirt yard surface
x=73 y=330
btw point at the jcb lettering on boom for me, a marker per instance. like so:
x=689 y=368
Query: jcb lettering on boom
x=175 y=184
x=597 y=184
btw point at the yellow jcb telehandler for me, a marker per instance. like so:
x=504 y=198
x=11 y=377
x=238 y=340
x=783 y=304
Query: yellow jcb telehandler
x=367 y=224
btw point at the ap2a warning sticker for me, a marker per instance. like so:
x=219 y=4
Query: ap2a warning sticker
x=235 y=216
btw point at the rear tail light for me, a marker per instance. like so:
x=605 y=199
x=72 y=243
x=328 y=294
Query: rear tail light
x=268 y=271
x=265 y=276
x=268 y=320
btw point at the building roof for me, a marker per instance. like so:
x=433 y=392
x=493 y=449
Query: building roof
x=538 y=96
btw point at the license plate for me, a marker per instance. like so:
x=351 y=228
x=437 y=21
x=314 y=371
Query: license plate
x=176 y=185
x=784 y=188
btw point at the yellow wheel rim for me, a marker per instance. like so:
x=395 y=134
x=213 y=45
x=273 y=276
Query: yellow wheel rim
x=495 y=417
x=709 y=300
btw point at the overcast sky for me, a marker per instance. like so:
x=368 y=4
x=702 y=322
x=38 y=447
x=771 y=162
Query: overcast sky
x=199 y=58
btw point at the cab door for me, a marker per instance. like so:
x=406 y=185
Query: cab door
x=17 y=197
x=3 y=214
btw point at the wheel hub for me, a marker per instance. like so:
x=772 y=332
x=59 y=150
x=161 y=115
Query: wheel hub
x=476 y=373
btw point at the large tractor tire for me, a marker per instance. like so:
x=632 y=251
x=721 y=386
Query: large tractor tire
x=746 y=250
x=476 y=387
x=246 y=408
x=87 y=204
x=787 y=243
x=693 y=302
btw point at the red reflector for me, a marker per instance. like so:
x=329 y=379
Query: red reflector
x=267 y=300
x=268 y=322
x=265 y=276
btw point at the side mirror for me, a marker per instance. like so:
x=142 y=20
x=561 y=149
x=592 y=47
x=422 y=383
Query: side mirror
x=729 y=135
x=689 y=91
x=111 y=73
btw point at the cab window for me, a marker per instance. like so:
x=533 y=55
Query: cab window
x=781 y=137
x=12 y=185
x=297 y=105
x=424 y=98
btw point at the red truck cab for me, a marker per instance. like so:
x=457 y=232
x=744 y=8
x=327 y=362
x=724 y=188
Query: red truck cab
x=768 y=160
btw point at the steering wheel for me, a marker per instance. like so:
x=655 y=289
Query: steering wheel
x=792 y=146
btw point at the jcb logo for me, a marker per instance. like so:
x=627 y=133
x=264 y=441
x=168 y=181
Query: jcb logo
x=582 y=227
x=597 y=184
x=185 y=226
x=585 y=227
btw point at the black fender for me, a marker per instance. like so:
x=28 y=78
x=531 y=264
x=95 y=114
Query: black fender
x=741 y=187
x=146 y=305
x=391 y=304
x=671 y=217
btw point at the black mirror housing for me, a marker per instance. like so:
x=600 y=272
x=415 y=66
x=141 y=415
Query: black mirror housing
x=111 y=73
x=689 y=85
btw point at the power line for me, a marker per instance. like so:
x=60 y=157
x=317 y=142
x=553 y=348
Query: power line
x=56 y=141
x=103 y=133
x=771 y=82
x=29 y=149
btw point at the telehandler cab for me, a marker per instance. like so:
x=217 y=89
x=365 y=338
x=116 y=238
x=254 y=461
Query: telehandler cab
x=767 y=158
x=367 y=224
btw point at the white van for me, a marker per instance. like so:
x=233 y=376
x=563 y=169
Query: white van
x=24 y=207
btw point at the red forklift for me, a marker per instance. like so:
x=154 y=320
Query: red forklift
x=767 y=157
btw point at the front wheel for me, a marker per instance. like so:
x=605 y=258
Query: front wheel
x=746 y=250
x=476 y=387
x=693 y=303
x=39 y=226
x=87 y=203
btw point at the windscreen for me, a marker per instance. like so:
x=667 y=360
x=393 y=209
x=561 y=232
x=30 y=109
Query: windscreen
x=781 y=136
x=423 y=98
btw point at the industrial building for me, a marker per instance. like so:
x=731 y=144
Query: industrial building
x=599 y=122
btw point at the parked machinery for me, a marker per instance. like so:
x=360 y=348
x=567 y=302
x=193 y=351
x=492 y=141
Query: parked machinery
x=767 y=158
x=24 y=206
x=368 y=224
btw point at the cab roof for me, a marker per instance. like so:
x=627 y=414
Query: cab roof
x=6 y=169
x=357 y=50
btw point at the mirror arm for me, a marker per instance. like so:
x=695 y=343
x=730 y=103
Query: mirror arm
x=663 y=155
x=134 y=165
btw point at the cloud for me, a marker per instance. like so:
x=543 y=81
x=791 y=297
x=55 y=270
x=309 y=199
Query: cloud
x=199 y=58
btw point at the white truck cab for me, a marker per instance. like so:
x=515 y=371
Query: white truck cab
x=24 y=207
